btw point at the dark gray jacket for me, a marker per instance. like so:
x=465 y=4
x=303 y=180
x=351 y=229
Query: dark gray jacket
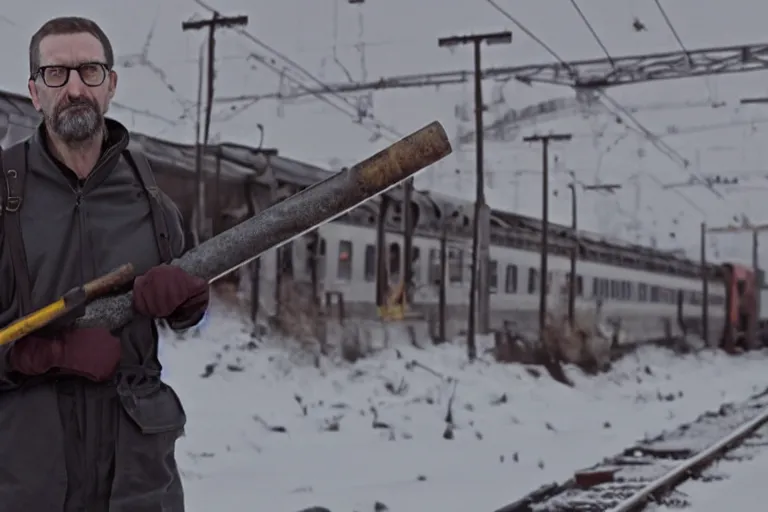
x=67 y=444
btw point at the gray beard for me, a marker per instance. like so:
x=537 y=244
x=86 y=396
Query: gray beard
x=76 y=124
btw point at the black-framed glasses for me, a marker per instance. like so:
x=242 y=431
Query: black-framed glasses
x=92 y=74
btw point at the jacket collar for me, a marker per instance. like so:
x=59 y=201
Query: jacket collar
x=116 y=140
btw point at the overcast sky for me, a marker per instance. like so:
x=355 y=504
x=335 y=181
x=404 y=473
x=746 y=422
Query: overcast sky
x=335 y=41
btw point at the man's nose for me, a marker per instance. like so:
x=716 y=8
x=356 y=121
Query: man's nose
x=75 y=86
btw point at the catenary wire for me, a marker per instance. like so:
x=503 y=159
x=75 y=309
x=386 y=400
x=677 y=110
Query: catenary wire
x=592 y=30
x=246 y=34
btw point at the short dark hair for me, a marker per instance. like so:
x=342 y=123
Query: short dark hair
x=68 y=25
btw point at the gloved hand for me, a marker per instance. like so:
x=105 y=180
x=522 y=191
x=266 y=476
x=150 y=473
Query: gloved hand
x=93 y=353
x=171 y=293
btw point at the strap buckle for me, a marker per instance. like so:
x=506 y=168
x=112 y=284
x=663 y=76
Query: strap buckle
x=12 y=204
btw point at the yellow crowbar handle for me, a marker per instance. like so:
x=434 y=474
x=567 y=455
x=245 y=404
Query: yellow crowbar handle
x=71 y=300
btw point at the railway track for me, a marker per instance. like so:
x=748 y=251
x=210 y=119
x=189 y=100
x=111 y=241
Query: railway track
x=649 y=473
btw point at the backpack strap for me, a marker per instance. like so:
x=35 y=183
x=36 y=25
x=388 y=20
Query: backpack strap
x=14 y=164
x=138 y=160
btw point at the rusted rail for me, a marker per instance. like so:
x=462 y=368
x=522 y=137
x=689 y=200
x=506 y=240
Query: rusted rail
x=691 y=466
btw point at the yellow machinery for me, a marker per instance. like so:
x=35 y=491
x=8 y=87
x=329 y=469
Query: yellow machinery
x=396 y=305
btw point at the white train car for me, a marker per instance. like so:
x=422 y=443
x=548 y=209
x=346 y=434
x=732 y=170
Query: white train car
x=643 y=303
x=635 y=287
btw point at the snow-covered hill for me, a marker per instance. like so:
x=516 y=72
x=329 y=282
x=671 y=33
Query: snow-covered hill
x=268 y=433
x=335 y=41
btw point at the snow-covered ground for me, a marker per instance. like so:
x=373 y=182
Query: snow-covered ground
x=515 y=427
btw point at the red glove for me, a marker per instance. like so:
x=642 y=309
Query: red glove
x=169 y=292
x=93 y=353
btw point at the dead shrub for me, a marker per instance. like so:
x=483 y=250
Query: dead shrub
x=351 y=347
x=581 y=343
x=307 y=327
x=509 y=346
x=300 y=319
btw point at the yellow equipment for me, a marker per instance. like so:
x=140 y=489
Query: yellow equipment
x=74 y=298
x=396 y=305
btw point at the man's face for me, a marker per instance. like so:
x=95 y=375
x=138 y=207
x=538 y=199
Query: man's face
x=74 y=111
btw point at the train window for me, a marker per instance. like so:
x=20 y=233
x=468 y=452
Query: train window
x=321 y=253
x=311 y=252
x=510 y=284
x=345 y=260
x=579 y=291
x=595 y=287
x=316 y=255
x=394 y=260
x=416 y=264
x=434 y=267
x=642 y=292
x=655 y=293
x=533 y=280
x=697 y=298
x=370 y=263
x=455 y=266
x=614 y=289
x=285 y=259
x=493 y=276
x=626 y=290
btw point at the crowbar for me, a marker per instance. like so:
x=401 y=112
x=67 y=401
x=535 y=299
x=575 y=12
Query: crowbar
x=76 y=297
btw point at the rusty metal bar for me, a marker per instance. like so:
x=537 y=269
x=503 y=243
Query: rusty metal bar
x=294 y=216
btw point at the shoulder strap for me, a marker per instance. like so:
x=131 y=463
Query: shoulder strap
x=14 y=164
x=138 y=160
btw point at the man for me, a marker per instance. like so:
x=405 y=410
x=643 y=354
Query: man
x=86 y=424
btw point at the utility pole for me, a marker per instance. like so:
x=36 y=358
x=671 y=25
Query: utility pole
x=704 y=286
x=216 y=21
x=572 y=281
x=408 y=228
x=543 y=271
x=481 y=222
x=574 y=252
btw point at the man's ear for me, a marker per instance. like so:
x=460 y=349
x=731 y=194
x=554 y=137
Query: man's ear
x=112 y=85
x=32 y=86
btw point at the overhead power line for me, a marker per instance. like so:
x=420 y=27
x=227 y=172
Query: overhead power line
x=323 y=87
x=579 y=74
x=672 y=28
x=647 y=134
x=592 y=31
